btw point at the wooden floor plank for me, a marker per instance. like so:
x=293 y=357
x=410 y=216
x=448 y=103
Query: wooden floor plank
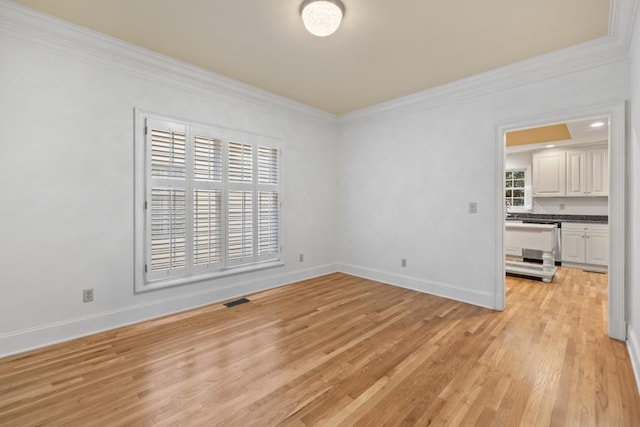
x=341 y=350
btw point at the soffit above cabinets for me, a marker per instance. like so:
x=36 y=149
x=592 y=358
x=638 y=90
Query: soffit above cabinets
x=383 y=50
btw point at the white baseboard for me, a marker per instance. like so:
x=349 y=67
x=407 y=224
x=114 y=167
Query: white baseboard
x=44 y=335
x=633 y=345
x=482 y=299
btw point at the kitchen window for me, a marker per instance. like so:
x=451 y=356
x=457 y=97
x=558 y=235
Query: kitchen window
x=209 y=199
x=518 y=196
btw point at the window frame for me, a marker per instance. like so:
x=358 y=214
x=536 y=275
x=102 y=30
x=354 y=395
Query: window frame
x=528 y=194
x=142 y=183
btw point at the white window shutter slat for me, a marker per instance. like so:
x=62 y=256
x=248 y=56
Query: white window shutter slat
x=167 y=153
x=207 y=227
x=268 y=223
x=240 y=163
x=268 y=165
x=168 y=233
x=207 y=159
x=240 y=226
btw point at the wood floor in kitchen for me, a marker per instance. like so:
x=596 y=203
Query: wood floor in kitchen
x=340 y=350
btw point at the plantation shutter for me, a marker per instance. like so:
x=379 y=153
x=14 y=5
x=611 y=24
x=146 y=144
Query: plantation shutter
x=240 y=228
x=240 y=163
x=207 y=202
x=268 y=203
x=268 y=223
x=166 y=200
x=210 y=203
x=268 y=165
x=240 y=204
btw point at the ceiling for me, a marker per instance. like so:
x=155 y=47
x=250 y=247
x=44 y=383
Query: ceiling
x=383 y=50
x=576 y=132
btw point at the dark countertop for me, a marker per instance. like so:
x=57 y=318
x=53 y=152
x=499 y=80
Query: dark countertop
x=587 y=219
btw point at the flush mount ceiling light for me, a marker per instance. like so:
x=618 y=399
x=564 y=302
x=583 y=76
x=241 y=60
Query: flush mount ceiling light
x=597 y=124
x=321 y=17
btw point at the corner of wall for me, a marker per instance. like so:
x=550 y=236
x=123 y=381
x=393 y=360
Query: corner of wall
x=444 y=290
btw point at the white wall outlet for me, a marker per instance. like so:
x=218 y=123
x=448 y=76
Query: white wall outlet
x=87 y=295
x=562 y=206
x=301 y=258
x=403 y=262
x=473 y=207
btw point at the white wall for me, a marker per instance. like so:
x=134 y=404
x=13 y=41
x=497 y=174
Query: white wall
x=407 y=178
x=67 y=170
x=633 y=203
x=558 y=205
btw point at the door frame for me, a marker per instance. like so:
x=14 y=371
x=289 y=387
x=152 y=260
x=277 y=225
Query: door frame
x=615 y=111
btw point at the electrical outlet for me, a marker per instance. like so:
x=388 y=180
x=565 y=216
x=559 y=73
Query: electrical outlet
x=301 y=258
x=87 y=295
x=562 y=206
x=403 y=262
x=473 y=207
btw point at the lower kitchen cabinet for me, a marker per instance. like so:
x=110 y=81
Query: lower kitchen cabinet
x=585 y=244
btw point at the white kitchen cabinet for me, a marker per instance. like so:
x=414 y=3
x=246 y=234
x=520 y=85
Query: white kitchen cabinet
x=597 y=248
x=587 y=173
x=576 y=173
x=549 y=174
x=585 y=244
x=598 y=172
x=573 y=246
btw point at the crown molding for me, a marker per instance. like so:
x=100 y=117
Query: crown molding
x=48 y=32
x=621 y=21
x=635 y=25
x=610 y=49
x=597 y=53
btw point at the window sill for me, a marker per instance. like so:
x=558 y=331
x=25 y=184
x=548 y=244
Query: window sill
x=230 y=271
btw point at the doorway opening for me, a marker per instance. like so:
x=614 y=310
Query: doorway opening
x=561 y=191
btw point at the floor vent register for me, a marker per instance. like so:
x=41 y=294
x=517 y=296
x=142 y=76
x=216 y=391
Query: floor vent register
x=236 y=302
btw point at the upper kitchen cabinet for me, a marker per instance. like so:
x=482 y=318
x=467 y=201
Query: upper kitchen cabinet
x=587 y=172
x=571 y=173
x=549 y=174
x=598 y=172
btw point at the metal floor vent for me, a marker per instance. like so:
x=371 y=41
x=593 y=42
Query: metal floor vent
x=236 y=302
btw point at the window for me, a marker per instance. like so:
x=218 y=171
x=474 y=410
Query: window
x=517 y=184
x=210 y=201
x=514 y=188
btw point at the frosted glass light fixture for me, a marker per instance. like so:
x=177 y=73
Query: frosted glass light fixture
x=321 y=17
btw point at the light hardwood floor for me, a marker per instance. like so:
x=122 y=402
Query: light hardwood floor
x=340 y=350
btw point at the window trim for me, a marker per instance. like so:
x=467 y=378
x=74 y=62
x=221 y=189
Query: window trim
x=141 y=284
x=528 y=194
